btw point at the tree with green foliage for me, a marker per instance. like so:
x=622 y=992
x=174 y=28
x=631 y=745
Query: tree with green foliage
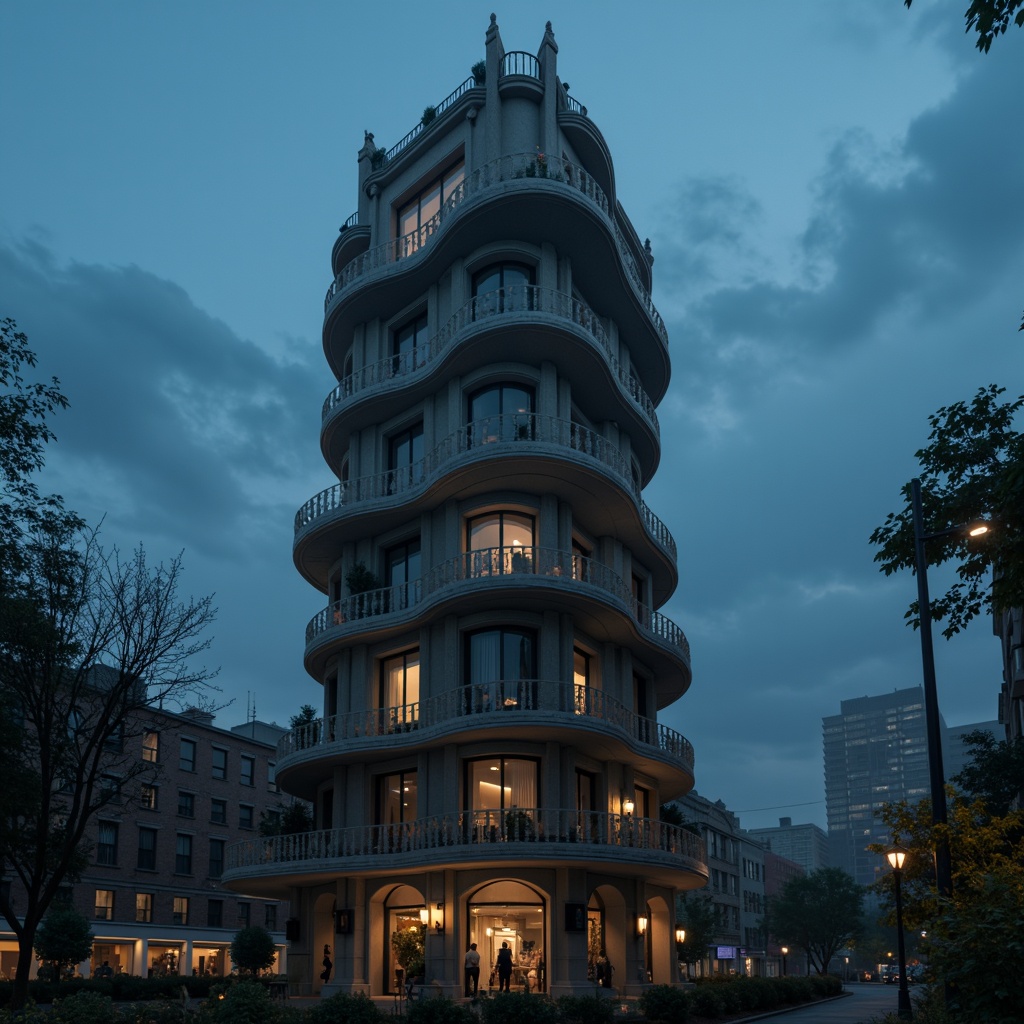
x=972 y=468
x=88 y=643
x=409 y=947
x=820 y=913
x=973 y=941
x=990 y=18
x=287 y=819
x=253 y=949
x=63 y=939
x=995 y=772
x=695 y=911
x=306 y=716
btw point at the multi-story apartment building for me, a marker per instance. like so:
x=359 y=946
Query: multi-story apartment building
x=806 y=844
x=1009 y=629
x=153 y=890
x=489 y=766
x=876 y=752
x=722 y=835
x=753 y=939
x=778 y=872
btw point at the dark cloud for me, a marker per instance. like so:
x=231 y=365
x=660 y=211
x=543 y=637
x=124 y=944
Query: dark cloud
x=177 y=427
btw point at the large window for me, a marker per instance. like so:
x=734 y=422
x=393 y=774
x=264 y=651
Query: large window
x=186 y=804
x=409 y=345
x=500 y=542
x=183 y=855
x=405 y=458
x=180 y=910
x=502 y=412
x=400 y=688
x=500 y=670
x=502 y=287
x=397 y=798
x=248 y=775
x=143 y=907
x=214 y=913
x=150 y=796
x=147 y=849
x=402 y=574
x=187 y=755
x=219 y=812
x=419 y=217
x=106 y=844
x=216 y=858
x=151 y=746
x=219 y=767
x=502 y=797
x=104 y=905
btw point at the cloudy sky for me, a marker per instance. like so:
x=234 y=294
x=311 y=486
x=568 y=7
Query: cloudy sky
x=833 y=193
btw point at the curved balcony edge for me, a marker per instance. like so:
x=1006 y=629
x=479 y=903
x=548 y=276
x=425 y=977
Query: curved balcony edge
x=461 y=839
x=463 y=707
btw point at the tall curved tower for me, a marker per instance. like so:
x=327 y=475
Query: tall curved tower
x=489 y=766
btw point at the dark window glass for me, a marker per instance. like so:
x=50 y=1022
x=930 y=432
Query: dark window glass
x=248 y=770
x=187 y=756
x=270 y=917
x=397 y=798
x=243 y=915
x=183 y=855
x=220 y=763
x=409 y=345
x=215 y=914
x=502 y=287
x=144 y=907
x=106 y=844
x=245 y=816
x=503 y=412
x=216 y=858
x=219 y=812
x=147 y=849
x=405 y=458
x=186 y=804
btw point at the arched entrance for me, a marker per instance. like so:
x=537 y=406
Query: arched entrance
x=516 y=913
x=397 y=940
x=607 y=930
x=323 y=940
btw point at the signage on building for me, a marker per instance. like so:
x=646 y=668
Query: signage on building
x=726 y=953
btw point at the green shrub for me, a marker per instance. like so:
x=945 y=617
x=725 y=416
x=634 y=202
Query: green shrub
x=246 y=1002
x=705 y=1001
x=438 y=1011
x=517 y=1008
x=585 y=1010
x=344 y=1007
x=665 y=1003
x=84 y=1008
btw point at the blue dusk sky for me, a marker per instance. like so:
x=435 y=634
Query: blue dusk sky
x=833 y=193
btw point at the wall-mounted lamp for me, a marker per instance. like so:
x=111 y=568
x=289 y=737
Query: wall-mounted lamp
x=439 y=919
x=641 y=926
x=627 y=806
x=680 y=935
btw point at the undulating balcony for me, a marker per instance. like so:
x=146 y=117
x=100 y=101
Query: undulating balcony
x=540 y=311
x=538 y=175
x=578 y=585
x=537 y=836
x=500 y=448
x=551 y=710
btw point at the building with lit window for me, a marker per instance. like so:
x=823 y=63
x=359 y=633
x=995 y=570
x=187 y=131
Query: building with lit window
x=489 y=765
x=152 y=890
x=806 y=844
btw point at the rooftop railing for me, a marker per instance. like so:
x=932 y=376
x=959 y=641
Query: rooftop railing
x=553 y=566
x=526 y=700
x=542 y=433
x=516 y=832
x=478 y=183
x=519 y=62
x=441 y=107
x=505 y=303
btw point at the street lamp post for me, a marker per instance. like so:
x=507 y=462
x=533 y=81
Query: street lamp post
x=785 y=950
x=896 y=856
x=933 y=727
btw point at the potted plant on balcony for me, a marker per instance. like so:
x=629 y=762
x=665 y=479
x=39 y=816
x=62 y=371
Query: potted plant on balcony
x=479 y=72
x=519 y=827
x=429 y=113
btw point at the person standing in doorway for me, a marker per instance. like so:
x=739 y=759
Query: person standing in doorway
x=504 y=966
x=472 y=971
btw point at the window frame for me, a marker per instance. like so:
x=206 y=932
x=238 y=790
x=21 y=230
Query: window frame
x=144 y=853
x=187 y=763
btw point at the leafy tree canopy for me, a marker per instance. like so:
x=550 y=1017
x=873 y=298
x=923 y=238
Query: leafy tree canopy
x=990 y=18
x=64 y=938
x=307 y=715
x=819 y=912
x=973 y=468
x=695 y=911
x=995 y=772
x=253 y=949
x=287 y=819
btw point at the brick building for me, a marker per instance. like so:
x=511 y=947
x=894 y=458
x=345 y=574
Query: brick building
x=152 y=890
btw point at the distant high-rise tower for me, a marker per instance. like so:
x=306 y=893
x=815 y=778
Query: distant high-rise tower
x=489 y=766
x=876 y=752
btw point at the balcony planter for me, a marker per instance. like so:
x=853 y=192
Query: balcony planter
x=519 y=827
x=429 y=113
x=479 y=72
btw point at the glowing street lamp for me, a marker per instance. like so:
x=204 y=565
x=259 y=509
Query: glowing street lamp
x=897 y=857
x=785 y=950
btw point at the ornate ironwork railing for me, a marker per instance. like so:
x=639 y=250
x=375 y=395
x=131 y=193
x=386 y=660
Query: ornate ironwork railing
x=514 y=831
x=457 y=708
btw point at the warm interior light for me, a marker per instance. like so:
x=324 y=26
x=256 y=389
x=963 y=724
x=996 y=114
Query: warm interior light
x=627 y=806
x=424 y=916
x=641 y=925
x=896 y=857
x=680 y=935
